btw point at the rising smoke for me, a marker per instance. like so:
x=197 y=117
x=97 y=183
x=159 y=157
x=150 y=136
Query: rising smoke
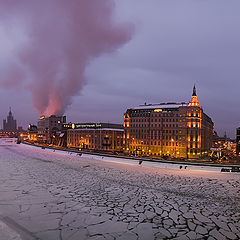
x=63 y=37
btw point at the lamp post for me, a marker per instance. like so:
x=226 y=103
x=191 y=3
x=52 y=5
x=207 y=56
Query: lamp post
x=174 y=147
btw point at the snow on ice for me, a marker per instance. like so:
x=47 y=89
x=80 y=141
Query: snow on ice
x=57 y=195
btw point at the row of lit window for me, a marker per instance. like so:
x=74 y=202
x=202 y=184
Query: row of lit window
x=154 y=125
x=142 y=136
x=96 y=141
x=153 y=114
x=155 y=132
x=193 y=125
x=154 y=120
x=170 y=143
x=193 y=114
x=161 y=114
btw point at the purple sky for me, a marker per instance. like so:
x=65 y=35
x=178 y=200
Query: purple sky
x=175 y=44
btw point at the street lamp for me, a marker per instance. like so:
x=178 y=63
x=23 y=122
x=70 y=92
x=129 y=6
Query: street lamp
x=173 y=146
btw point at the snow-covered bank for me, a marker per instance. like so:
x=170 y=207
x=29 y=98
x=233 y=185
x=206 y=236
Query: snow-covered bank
x=183 y=166
x=8 y=141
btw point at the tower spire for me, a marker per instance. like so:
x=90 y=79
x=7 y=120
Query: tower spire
x=194 y=91
x=194 y=101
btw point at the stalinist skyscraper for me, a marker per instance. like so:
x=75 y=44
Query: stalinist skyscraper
x=9 y=125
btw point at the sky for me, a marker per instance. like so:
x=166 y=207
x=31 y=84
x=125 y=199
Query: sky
x=172 y=46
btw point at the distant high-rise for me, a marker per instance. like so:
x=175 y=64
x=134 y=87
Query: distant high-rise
x=9 y=125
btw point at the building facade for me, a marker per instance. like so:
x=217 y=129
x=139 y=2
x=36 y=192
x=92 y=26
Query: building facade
x=180 y=130
x=48 y=127
x=9 y=124
x=106 y=137
x=238 y=141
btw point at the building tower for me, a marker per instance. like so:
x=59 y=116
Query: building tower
x=194 y=134
x=194 y=101
x=10 y=125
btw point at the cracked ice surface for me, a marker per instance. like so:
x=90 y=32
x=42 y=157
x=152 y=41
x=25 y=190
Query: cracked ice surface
x=55 y=195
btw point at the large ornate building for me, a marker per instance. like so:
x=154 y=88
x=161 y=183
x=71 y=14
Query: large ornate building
x=10 y=124
x=168 y=129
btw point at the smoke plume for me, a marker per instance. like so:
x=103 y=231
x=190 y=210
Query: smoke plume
x=63 y=36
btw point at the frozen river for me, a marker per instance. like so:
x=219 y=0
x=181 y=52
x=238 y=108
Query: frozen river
x=59 y=196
